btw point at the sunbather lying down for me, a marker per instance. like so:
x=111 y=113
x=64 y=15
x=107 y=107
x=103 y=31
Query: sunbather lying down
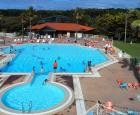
x=127 y=85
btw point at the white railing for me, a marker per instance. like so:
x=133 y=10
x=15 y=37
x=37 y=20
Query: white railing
x=29 y=107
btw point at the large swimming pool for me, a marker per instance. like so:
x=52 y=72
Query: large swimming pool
x=70 y=57
x=42 y=97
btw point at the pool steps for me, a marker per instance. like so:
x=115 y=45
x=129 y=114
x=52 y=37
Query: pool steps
x=30 y=107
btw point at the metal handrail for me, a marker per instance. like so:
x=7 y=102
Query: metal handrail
x=29 y=109
x=22 y=107
x=30 y=106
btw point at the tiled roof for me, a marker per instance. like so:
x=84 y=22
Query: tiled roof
x=62 y=26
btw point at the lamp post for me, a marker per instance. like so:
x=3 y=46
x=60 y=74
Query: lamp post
x=125 y=36
x=0 y=23
x=30 y=26
x=22 y=28
x=4 y=35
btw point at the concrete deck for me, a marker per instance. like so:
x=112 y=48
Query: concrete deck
x=106 y=88
x=68 y=81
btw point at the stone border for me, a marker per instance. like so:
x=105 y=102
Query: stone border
x=79 y=98
x=68 y=100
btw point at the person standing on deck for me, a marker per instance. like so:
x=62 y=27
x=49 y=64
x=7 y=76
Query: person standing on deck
x=55 y=65
x=33 y=70
x=89 y=66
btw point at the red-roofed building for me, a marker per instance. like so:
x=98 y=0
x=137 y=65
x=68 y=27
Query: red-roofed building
x=55 y=29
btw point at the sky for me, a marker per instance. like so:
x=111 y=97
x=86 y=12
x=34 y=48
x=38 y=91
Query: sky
x=68 y=4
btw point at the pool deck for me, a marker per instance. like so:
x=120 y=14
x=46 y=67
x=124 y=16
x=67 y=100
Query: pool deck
x=106 y=88
x=68 y=81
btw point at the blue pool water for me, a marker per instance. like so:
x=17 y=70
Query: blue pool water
x=41 y=96
x=71 y=58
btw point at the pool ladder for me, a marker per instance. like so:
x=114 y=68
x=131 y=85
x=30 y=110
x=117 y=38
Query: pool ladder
x=30 y=107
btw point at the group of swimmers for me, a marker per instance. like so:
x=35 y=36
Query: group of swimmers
x=55 y=66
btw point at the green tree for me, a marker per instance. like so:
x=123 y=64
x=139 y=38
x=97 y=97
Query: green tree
x=78 y=14
x=136 y=28
x=110 y=24
x=30 y=14
x=1 y=16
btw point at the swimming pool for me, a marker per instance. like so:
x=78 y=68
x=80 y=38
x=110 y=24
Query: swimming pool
x=72 y=58
x=42 y=97
x=33 y=96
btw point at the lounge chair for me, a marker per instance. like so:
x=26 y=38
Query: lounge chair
x=37 y=41
x=43 y=41
x=24 y=39
x=15 y=40
x=18 y=40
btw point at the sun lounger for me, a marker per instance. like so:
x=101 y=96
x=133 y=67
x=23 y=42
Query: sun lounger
x=15 y=40
x=24 y=39
x=18 y=40
x=37 y=41
x=43 y=41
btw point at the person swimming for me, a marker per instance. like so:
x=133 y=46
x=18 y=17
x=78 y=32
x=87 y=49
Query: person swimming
x=59 y=58
x=33 y=70
x=55 y=65
x=42 y=70
x=41 y=63
x=62 y=69
x=10 y=51
x=83 y=63
x=45 y=81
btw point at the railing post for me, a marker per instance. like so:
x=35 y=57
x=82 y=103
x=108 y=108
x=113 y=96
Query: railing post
x=30 y=106
x=22 y=107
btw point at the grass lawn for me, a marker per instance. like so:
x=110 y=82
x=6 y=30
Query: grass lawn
x=133 y=50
